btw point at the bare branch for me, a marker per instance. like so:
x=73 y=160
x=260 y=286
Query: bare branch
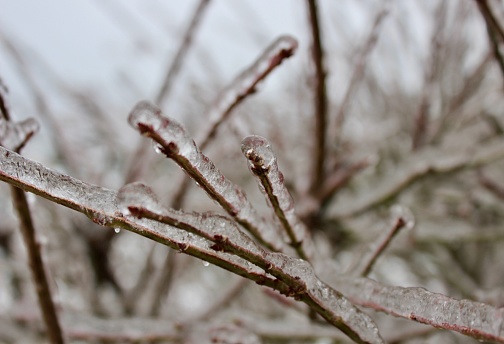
x=263 y=165
x=320 y=97
x=421 y=165
x=14 y=136
x=177 y=145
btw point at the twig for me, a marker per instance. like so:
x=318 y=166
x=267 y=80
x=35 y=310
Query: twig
x=359 y=70
x=320 y=98
x=177 y=145
x=421 y=122
x=15 y=137
x=495 y=31
x=491 y=185
x=164 y=283
x=367 y=263
x=294 y=277
x=263 y=165
x=418 y=166
x=140 y=201
x=141 y=156
x=234 y=94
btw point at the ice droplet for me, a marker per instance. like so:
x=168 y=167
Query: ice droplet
x=258 y=151
x=400 y=211
x=205 y=263
x=117 y=230
x=146 y=114
x=157 y=147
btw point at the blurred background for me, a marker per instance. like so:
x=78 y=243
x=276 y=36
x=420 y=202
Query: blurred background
x=415 y=113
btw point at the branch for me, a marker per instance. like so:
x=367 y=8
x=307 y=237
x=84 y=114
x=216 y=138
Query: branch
x=139 y=201
x=473 y=319
x=263 y=165
x=99 y=204
x=320 y=97
x=418 y=166
x=230 y=97
x=14 y=136
x=174 y=142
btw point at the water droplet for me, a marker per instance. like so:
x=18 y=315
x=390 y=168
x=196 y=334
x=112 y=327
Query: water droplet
x=117 y=230
x=157 y=147
x=205 y=263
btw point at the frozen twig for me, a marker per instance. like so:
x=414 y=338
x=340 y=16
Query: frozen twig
x=291 y=276
x=473 y=319
x=263 y=165
x=358 y=70
x=139 y=201
x=14 y=136
x=320 y=97
x=174 y=142
x=141 y=156
x=242 y=86
x=418 y=166
x=367 y=263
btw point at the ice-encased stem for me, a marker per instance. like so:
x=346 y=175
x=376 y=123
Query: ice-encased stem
x=296 y=274
x=99 y=204
x=174 y=142
x=245 y=84
x=263 y=165
x=239 y=89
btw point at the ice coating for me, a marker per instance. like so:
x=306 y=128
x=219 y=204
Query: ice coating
x=246 y=83
x=401 y=211
x=176 y=144
x=263 y=164
x=137 y=195
x=15 y=135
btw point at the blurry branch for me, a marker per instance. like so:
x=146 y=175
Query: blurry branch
x=263 y=165
x=141 y=156
x=15 y=136
x=470 y=86
x=230 y=97
x=491 y=185
x=175 y=65
x=56 y=133
x=495 y=31
x=320 y=98
x=165 y=281
x=433 y=65
x=418 y=166
x=473 y=319
x=367 y=262
x=291 y=276
x=359 y=70
x=174 y=142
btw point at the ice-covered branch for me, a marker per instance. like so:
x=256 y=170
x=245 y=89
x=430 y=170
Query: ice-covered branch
x=138 y=200
x=262 y=163
x=242 y=86
x=245 y=84
x=418 y=166
x=174 y=142
x=474 y=319
x=99 y=204
x=294 y=277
